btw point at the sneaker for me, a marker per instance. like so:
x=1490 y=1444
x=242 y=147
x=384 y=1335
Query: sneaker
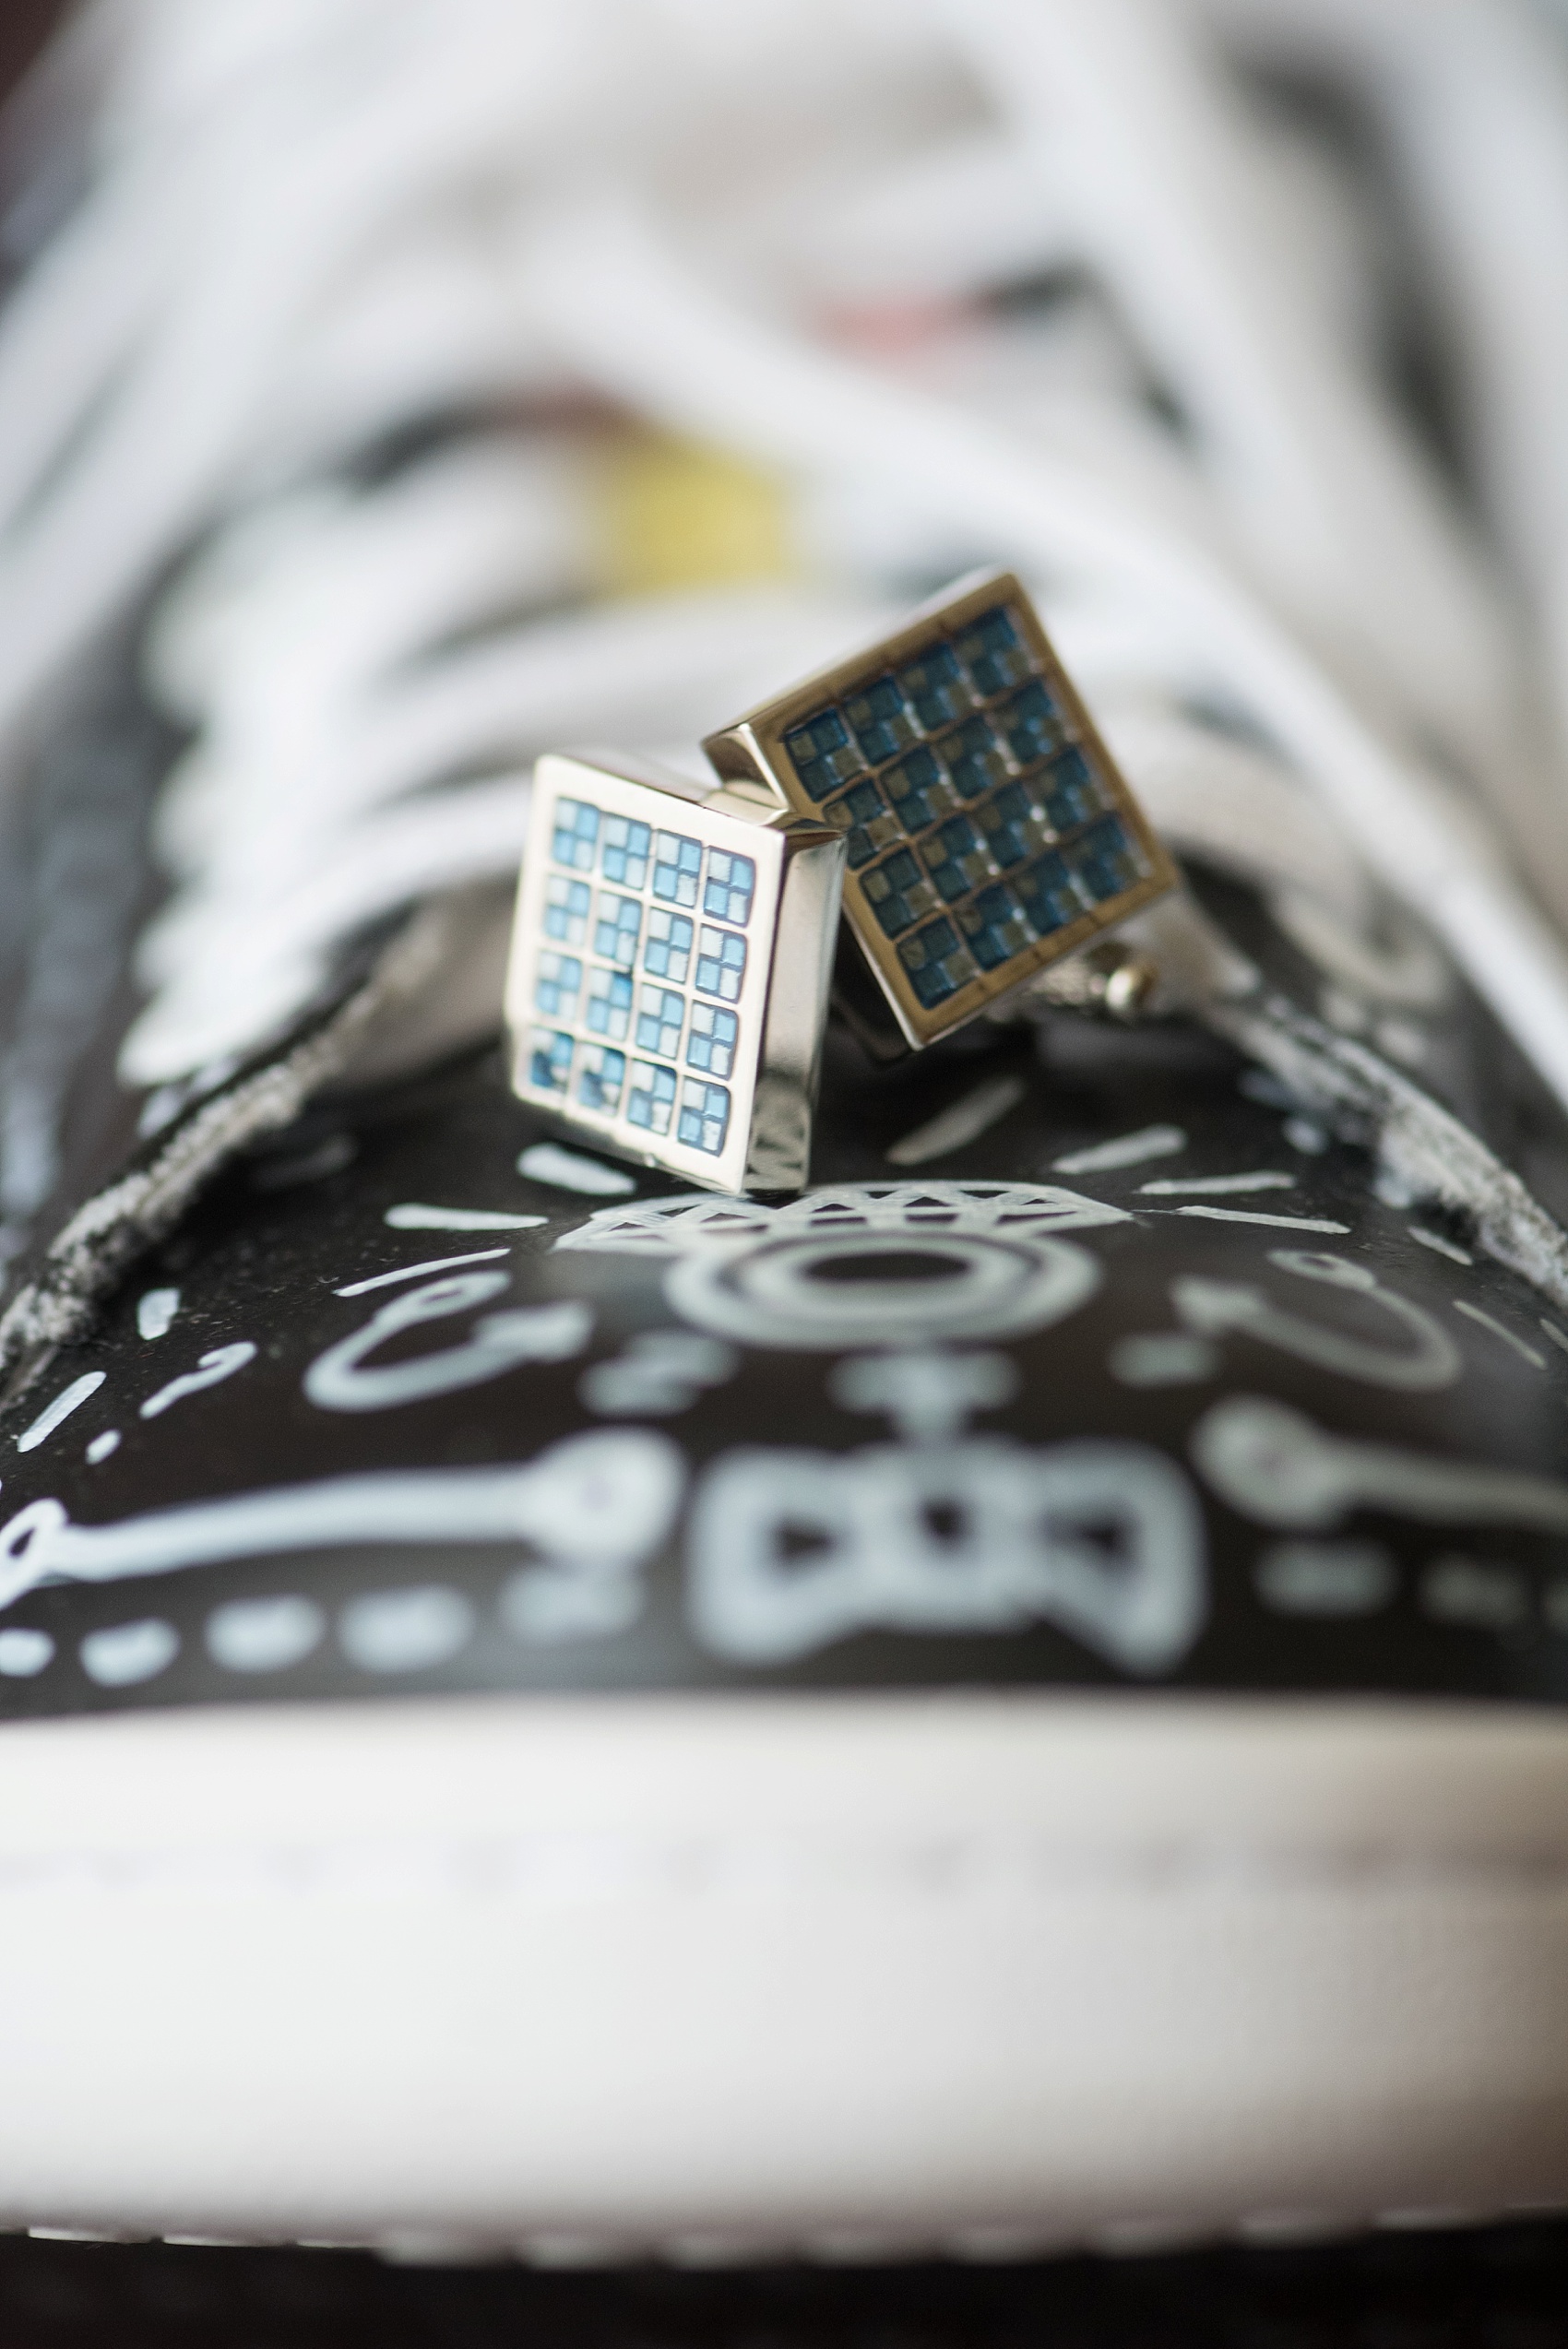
x=1011 y=1699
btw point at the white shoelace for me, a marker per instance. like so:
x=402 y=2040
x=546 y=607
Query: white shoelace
x=312 y=225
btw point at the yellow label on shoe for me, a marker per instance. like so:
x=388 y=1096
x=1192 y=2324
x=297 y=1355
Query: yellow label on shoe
x=678 y=515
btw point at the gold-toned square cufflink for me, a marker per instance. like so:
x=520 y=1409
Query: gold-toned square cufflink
x=671 y=964
x=987 y=830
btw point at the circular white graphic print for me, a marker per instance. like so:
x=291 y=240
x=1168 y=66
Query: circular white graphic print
x=874 y=1264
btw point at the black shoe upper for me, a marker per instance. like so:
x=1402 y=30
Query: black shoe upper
x=1088 y=1359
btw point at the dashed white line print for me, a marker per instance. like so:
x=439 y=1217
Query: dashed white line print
x=1264 y=1178
x=417 y=1272
x=264 y=1634
x=1127 y=1150
x=1272 y=1465
x=1475 y=1592
x=1213 y=1307
x=220 y=1364
x=411 y=1216
x=405 y=1631
x=1474 y=1313
x=127 y=1653
x=24 y=1654
x=70 y=1399
x=1440 y=1247
x=608 y=1495
x=580 y=1598
x=104 y=1447
x=1280 y=1223
x=1163 y=1358
x=569 y=1170
x=156 y=1311
x=965 y=1121
x=338 y=1380
x=1559 y=1338
x=1329 y=1578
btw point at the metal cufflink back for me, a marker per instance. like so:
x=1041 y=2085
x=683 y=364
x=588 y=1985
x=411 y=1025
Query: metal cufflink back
x=674 y=952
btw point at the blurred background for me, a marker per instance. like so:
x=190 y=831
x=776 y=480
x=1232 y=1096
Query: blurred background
x=704 y=335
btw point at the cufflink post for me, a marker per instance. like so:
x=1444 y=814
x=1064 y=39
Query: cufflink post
x=988 y=831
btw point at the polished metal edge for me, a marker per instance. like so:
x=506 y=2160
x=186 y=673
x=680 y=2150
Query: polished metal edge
x=751 y=753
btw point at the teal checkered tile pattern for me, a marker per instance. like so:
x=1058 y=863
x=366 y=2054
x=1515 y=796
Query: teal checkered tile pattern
x=644 y=952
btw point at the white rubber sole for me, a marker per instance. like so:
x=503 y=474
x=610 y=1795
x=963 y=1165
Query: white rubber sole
x=839 y=1973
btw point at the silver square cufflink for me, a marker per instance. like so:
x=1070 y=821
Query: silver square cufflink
x=988 y=831
x=671 y=961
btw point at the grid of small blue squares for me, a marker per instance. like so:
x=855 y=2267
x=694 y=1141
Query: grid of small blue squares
x=974 y=822
x=643 y=955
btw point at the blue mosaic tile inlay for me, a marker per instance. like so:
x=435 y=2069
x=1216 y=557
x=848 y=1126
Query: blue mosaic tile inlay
x=668 y=954
x=704 y=1116
x=919 y=790
x=958 y=859
x=938 y=689
x=727 y=891
x=822 y=754
x=864 y=817
x=938 y=962
x=995 y=927
x=721 y=962
x=1105 y=861
x=979 y=760
x=549 y=1061
x=600 y=1075
x=677 y=861
x=882 y=722
x=577 y=833
x=560 y=980
x=617 y=925
x=711 y=1045
x=661 y=1014
x=1032 y=725
x=566 y=910
x=608 y=1011
x=651 y=1103
x=962 y=767
x=1014 y=824
x=993 y=652
x=626 y=844
x=615 y=965
x=899 y=891
x=1072 y=795
x=1049 y=894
